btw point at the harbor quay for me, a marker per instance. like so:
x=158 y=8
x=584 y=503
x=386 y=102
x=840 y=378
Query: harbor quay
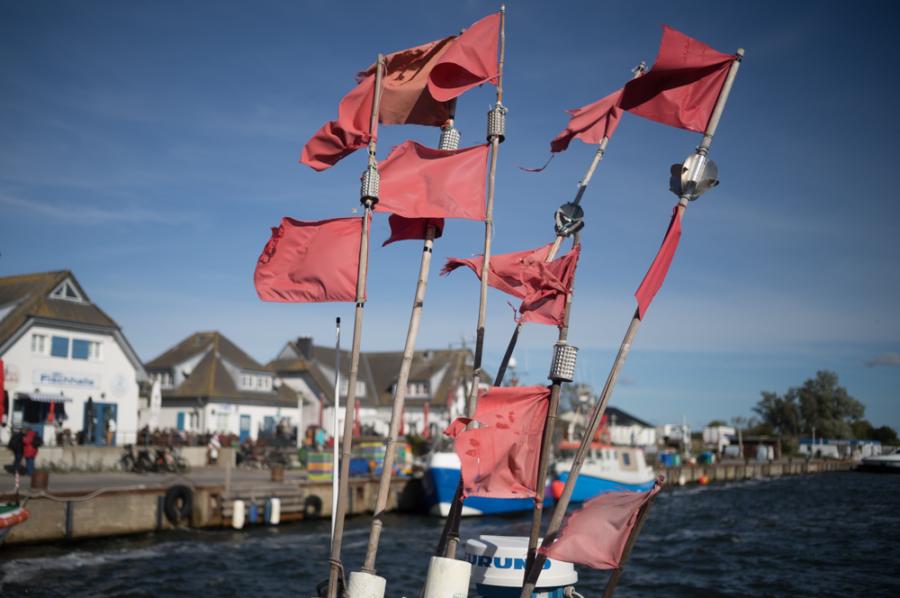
x=99 y=504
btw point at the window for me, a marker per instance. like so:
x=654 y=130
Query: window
x=626 y=459
x=39 y=344
x=59 y=346
x=67 y=291
x=84 y=349
x=222 y=422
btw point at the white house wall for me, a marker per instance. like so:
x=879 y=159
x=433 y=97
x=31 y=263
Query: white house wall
x=110 y=379
x=225 y=418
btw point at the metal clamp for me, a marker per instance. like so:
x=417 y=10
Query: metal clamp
x=371 y=183
x=697 y=175
x=449 y=138
x=562 y=369
x=569 y=219
x=497 y=123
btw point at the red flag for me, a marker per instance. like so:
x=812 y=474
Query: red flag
x=542 y=286
x=469 y=61
x=404 y=89
x=310 y=261
x=682 y=87
x=655 y=276
x=421 y=182
x=341 y=137
x=407 y=229
x=595 y=535
x=591 y=123
x=499 y=459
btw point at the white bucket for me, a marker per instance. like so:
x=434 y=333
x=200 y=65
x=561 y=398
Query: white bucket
x=447 y=578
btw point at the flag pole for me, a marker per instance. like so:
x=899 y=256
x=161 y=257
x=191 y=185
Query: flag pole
x=369 y=197
x=335 y=461
x=496 y=133
x=561 y=234
x=561 y=340
x=532 y=572
x=449 y=140
x=626 y=552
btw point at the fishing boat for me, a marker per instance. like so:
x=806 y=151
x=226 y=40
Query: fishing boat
x=889 y=463
x=607 y=469
x=11 y=515
x=441 y=479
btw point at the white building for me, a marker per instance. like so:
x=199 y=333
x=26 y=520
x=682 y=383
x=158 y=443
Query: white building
x=436 y=389
x=719 y=437
x=68 y=369
x=626 y=429
x=209 y=385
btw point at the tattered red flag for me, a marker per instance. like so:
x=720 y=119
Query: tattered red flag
x=310 y=261
x=655 y=276
x=500 y=458
x=682 y=87
x=542 y=286
x=341 y=137
x=422 y=182
x=409 y=229
x=405 y=98
x=468 y=62
x=590 y=123
x=595 y=535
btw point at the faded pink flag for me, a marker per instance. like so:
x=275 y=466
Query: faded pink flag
x=595 y=535
x=500 y=458
x=655 y=276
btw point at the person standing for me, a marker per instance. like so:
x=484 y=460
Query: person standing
x=16 y=446
x=30 y=444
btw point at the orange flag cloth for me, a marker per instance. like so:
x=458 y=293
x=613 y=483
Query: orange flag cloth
x=590 y=123
x=542 y=286
x=421 y=182
x=405 y=99
x=310 y=262
x=468 y=62
x=655 y=276
x=682 y=87
x=342 y=137
x=500 y=459
x=595 y=535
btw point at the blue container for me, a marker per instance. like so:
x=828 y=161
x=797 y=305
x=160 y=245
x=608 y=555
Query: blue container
x=359 y=466
x=253 y=514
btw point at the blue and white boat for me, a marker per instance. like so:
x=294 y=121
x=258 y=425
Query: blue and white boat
x=442 y=478
x=607 y=469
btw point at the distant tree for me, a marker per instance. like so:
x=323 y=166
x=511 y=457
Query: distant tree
x=885 y=435
x=716 y=423
x=821 y=403
x=779 y=415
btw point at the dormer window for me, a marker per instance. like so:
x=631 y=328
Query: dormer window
x=67 y=292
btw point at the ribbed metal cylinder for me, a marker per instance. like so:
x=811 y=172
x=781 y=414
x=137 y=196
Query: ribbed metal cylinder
x=563 y=367
x=496 y=126
x=371 y=183
x=449 y=139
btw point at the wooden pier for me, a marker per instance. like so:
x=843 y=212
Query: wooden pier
x=728 y=471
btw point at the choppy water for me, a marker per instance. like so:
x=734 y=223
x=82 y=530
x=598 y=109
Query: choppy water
x=825 y=535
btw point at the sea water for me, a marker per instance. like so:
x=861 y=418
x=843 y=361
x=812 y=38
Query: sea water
x=834 y=534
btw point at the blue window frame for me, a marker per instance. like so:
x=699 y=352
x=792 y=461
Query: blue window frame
x=80 y=348
x=59 y=346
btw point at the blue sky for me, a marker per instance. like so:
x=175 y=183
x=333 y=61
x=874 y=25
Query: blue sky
x=149 y=147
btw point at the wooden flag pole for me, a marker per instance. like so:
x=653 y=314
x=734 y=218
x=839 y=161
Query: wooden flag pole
x=335 y=576
x=496 y=131
x=553 y=408
x=626 y=552
x=532 y=572
x=384 y=484
x=335 y=461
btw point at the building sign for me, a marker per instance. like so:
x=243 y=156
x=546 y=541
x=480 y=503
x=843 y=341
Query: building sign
x=57 y=378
